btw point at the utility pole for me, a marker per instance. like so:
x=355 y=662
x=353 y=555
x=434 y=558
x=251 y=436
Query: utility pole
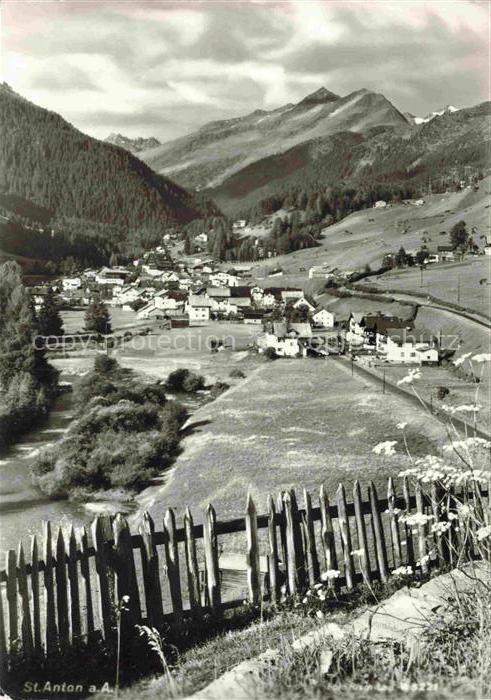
x=383 y=383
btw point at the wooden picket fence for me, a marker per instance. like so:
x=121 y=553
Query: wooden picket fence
x=73 y=589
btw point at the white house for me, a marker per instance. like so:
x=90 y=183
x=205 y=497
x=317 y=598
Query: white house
x=320 y=272
x=219 y=297
x=198 y=308
x=111 y=276
x=291 y=294
x=303 y=303
x=323 y=319
x=405 y=349
x=283 y=346
x=236 y=304
x=71 y=283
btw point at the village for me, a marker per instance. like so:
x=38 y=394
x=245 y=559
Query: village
x=285 y=321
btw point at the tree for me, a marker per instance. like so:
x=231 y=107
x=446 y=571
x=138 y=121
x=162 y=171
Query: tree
x=401 y=257
x=459 y=235
x=49 y=321
x=421 y=256
x=98 y=319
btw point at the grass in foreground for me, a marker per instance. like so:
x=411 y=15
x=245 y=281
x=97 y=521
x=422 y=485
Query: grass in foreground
x=451 y=660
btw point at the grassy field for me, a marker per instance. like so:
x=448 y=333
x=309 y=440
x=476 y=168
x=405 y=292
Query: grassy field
x=74 y=320
x=291 y=423
x=161 y=352
x=365 y=236
x=458 y=283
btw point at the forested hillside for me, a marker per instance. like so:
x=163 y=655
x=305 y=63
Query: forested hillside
x=438 y=152
x=45 y=160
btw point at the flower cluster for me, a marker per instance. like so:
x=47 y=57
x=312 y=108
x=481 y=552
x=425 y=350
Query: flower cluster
x=385 y=448
x=403 y=571
x=410 y=377
x=431 y=469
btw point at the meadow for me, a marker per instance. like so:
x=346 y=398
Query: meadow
x=290 y=424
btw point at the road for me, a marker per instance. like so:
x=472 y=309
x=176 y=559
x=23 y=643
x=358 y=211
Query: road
x=423 y=300
x=393 y=387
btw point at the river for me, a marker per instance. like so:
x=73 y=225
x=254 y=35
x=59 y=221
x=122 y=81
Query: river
x=23 y=508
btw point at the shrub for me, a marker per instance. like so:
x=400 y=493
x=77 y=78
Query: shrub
x=184 y=380
x=237 y=374
x=103 y=364
x=270 y=354
x=441 y=392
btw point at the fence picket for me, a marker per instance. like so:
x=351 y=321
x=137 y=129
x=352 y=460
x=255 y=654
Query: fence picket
x=327 y=535
x=51 y=630
x=124 y=566
x=74 y=589
x=298 y=541
x=62 y=591
x=26 y=625
x=291 y=560
x=3 y=638
x=104 y=597
x=364 y=557
x=252 y=553
x=273 y=567
x=280 y=510
x=308 y=523
x=439 y=518
x=378 y=532
x=344 y=530
x=11 y=591
x=36 y=603
x=192 y=564
x=394 y=524
x=407 y=529
x=11 y=566
x=211 y=559
x=150 y=571
x=172 y=562
x=85 y=571
x=421 y=529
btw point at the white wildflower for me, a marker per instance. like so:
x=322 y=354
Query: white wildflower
x=484 y=357
x=330 y=573
x=410 y=377
x=460 y=360
x=385 y=448
x=403 y=571
x=401 y=426
x=483 y=533
x=320 y=614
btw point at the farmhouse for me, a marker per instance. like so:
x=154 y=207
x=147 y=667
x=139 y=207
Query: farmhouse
x=323 y=319
x=198 y=308
x=399 y=348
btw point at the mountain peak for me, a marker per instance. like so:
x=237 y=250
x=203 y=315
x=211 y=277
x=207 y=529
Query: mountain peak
x=320 y=96
x=133 y=145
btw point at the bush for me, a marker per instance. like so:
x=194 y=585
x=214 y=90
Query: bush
x=184 y=380
x=270 y=354
x=125 y=434
x=237 y=374
x=441 y=392
x=103 y=364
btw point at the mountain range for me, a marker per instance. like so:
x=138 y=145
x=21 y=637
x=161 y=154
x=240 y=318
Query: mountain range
x=133 y=145
x=361 y=138
x=205 y=158
x=357 y=141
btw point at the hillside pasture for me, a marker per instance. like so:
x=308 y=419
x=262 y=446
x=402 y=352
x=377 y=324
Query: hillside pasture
x=291 y=423
x=466 y=283
x=366 y=236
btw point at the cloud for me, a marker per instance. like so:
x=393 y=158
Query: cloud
x=165 y=68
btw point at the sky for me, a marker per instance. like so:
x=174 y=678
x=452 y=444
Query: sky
x=156 y=68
